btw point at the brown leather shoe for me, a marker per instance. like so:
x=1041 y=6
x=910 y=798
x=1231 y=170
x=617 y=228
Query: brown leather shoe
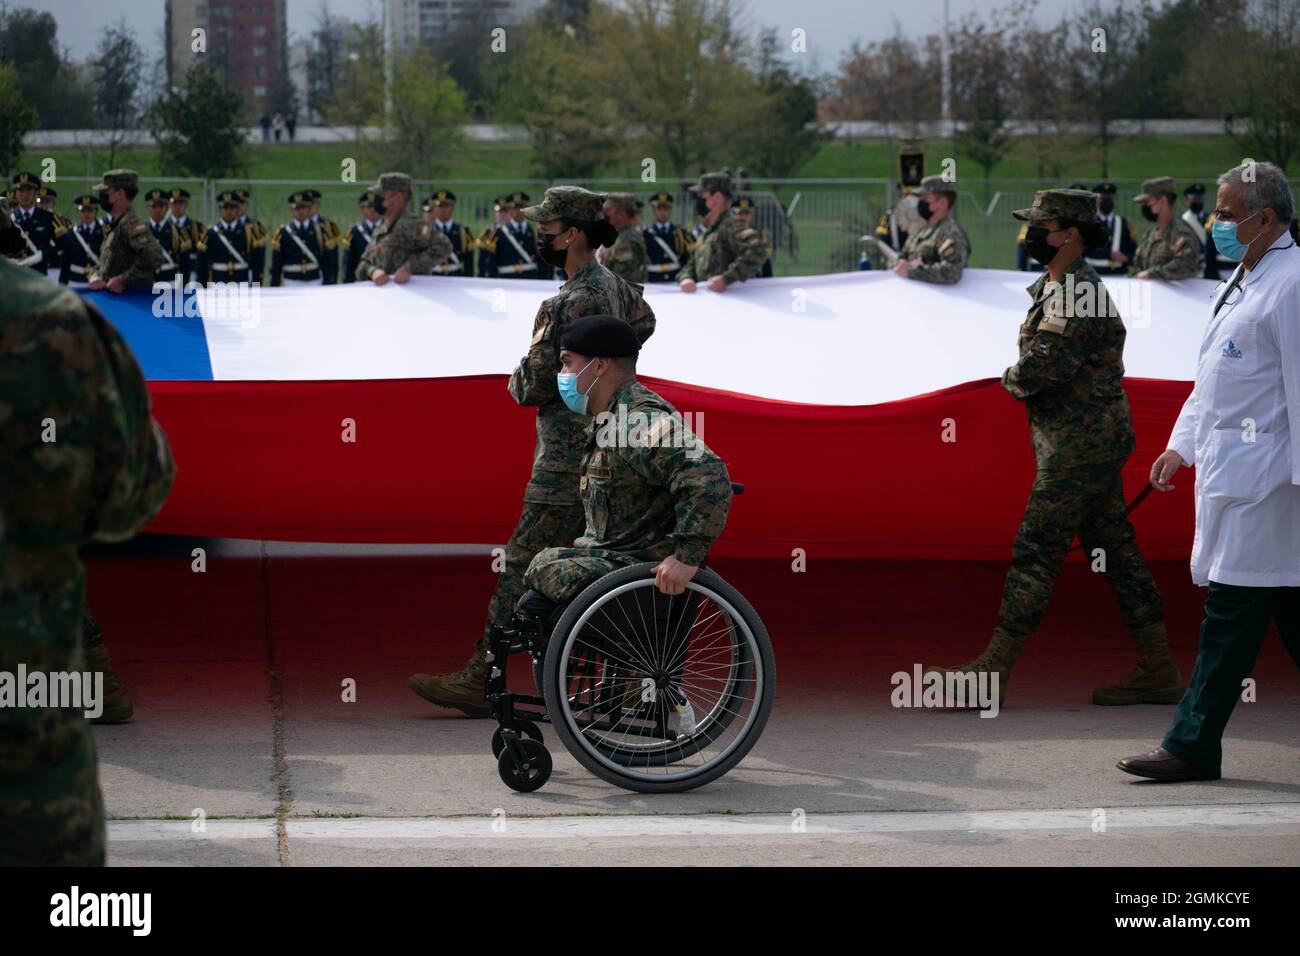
x=1160 y=764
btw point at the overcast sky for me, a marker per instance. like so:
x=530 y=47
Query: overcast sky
x=831 y=25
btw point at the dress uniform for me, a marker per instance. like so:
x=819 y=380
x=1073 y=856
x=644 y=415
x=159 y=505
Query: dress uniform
x=48 y=200
x=746 y=210
x=1111 y=257
x=487 y=242
x=190 y=228
x=173 y=241
x=1171 y=251
x=79 y=246
x=728 y=248
x=231 y=246
x=667 y=244
x=359 y=236
x=301 y=248
x=1216 y=266
x=461 y=260
x=515 y=255
x=941 y=248
x=331 y=237
x=258 y=234
x=36 y=225
x=1070 y=377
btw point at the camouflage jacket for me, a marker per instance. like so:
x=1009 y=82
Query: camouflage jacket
x=649 y=486
x=557 y=458
x=943 y=250
x=1071 y=372
x=410 y=242
x=729 y=249
x=628 y=256
x=1174 y=253
x=130 y=249
x=80 y=459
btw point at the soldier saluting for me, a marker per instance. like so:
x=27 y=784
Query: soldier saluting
x=729 y=251
x=130 y=256
x=403 y=244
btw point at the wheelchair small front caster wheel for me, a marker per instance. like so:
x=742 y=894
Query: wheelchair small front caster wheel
x=529 y=775
x=525 y=727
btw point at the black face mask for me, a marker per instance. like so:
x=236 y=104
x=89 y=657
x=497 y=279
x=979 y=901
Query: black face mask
x=701 y=206
x=1036 y=245
x=12 y=242
x=377 y=204
x=1196 y=206
x=547 y=252
x=923 y=209
x=1106 y=204
x=104 y=204
x=1149 y=214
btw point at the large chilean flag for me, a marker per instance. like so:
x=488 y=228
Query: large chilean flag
x=863 y=412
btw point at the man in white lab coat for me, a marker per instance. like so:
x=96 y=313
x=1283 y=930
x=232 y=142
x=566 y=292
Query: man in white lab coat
x=1240 y=427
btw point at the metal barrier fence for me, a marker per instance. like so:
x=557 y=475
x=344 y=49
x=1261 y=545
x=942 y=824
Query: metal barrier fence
x=813 y=225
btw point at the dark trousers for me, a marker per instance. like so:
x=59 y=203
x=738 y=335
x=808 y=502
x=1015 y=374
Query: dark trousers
x=1236 y=619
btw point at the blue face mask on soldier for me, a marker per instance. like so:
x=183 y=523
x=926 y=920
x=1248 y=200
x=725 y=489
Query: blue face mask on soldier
x=1226 y=241
x=567 y=383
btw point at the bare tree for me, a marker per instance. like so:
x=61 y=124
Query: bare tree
x=117 y=65
x=1099 y=57
x=981 y=60
x=1264 y=87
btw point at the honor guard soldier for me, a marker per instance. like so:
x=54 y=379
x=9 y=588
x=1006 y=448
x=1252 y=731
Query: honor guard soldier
x=461 y=261
x=229 y=246
x=487 y=243
x=1199 y=219
x=938 y=252
x=130 y=256
x=627 y=257
x=48 y=200
x=900 y=221
x=515 y=256
x=257 y=254
x=403 y=244
x=330 y=235
x=79 y=246
x=300 y=249
x=1171 y=249
x=191 y=229
x=34 y=224
x=1113 y=256
x=667 y=244
x=746 y=210
x=359 y=236
x=175 y=244
x=729 y=251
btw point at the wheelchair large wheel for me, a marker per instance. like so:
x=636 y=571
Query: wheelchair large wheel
x=654 y=693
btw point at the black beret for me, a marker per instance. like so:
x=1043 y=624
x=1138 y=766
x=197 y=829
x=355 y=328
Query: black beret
x=600 y=336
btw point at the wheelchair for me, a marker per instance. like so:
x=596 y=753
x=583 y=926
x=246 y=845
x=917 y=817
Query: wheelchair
x=651 y=693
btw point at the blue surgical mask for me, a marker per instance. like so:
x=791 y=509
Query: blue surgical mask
x=567 y=383
x=1225 y=238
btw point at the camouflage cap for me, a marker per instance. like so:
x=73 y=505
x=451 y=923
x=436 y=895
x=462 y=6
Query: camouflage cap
x=392 y=182
x=936 y=184
x=624 y=201
x=567 y=202
x=1160 y=186
x=719 y=182
x=1077 y=205
x=118 y=179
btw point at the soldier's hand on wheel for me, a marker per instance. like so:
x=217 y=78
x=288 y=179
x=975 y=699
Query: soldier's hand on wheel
x=379 y=277
x=687 y=285
x=717 y=284
x=402 y=275
x=116 y=284
x=96 y=284
x=671 y=575
x=1163 y=469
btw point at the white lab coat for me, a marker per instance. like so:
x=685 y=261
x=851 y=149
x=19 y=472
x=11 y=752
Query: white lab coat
x=1248 y=491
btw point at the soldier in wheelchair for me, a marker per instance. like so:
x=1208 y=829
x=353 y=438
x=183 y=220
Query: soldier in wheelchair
x=655 y=673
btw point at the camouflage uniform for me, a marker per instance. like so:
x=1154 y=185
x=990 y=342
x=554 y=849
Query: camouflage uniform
x=129 y=247
x=729 y=248
x=1070 y=377
x=644 y=497
x=406 y=241
x=105 y=476
x=942 y=247
x=628 y=256
x=1175 y=252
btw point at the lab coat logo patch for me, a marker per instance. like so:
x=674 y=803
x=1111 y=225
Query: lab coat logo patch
x=1231 y=351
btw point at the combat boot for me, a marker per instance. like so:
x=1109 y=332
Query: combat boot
x=1155 y=680
x=998 y=658
x=465 y=690
x=117 y=702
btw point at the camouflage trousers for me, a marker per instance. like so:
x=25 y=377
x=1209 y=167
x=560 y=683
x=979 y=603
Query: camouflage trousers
x=91 y=633
x=1088 y=502
x=540 y=526
x=562 y=573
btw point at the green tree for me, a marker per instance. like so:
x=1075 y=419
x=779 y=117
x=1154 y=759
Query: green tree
x=198 y=127
x=981 y=61
x=426 y=117
x=53 y=84
x=17 y=116
x=788 y=135
x=1040 y=93
x=1263 y=98
x=116 y=67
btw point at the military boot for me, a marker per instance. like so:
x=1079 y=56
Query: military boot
x=1155 y=680
x=998 y=658
x=465 y=690
x=117 y=702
